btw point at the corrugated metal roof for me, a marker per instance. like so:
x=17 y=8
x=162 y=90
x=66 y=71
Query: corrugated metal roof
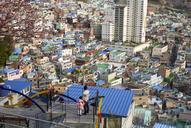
x=161 y=125
x=116 y=101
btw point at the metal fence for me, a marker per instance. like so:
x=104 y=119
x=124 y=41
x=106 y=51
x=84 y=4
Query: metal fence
x=41 y=120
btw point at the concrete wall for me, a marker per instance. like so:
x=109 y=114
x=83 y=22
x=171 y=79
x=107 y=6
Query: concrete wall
x=157 y=51
x=14 y=97
x=15 y=75
x=111 y=76
x=128 y=121
x=141 y=47
x=116 y=82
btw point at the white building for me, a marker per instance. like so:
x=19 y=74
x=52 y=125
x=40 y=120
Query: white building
x=11 y=98
x=44 y=60
x=153 y=80
x=110 y=14
x=138 y=20
x=130 y=20
x=12 y=74
x=108 y=25
x=65 y=52
x=131 y=50
x=107 y=31
x=159 y=50
x=65 y=63
x=117 y=56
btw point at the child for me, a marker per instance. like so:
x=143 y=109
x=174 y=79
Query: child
x=80 y=105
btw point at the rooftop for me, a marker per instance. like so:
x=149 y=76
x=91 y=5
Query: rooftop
x=161 y=125
x=102 y=67
x=117 y=52
x=116 y=102
x=17 y=85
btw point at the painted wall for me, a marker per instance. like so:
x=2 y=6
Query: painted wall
x=128 y=121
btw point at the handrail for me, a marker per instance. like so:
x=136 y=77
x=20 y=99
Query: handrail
x=25 y=100
x=25 y=97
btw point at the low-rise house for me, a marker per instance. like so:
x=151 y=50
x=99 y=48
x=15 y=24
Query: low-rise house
x=188 y=58
x=164 y=71
x=111 y=78
x=17 y=51
x=119 y=70
x=65 y=52
x=117 y=56
x=12 y=74
x=20 y=85
x=181 y=56
x=152 y=79
x=164 y=58
x=65 y=63
x=103 y=67
x=26 y=67
x=154 y=62
x=43 y=60
x=142 y=114
x=14 y=57
x=31 y=75
x=82 y=61
x=155 y=100
x=159 y=50
x=180 y=64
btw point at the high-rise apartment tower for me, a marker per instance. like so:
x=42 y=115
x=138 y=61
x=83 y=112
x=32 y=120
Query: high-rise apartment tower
x=130 y=20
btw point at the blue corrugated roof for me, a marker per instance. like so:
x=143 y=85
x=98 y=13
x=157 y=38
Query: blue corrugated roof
x=116 y=101
x=161 y=125
x=17 y=85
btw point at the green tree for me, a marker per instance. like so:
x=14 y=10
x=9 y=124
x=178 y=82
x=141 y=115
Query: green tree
x=6 y=48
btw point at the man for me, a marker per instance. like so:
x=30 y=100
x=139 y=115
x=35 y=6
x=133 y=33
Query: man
x=86 y=98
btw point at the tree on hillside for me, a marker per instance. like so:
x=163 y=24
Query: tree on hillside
x=17 y=19
x=6 y=48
